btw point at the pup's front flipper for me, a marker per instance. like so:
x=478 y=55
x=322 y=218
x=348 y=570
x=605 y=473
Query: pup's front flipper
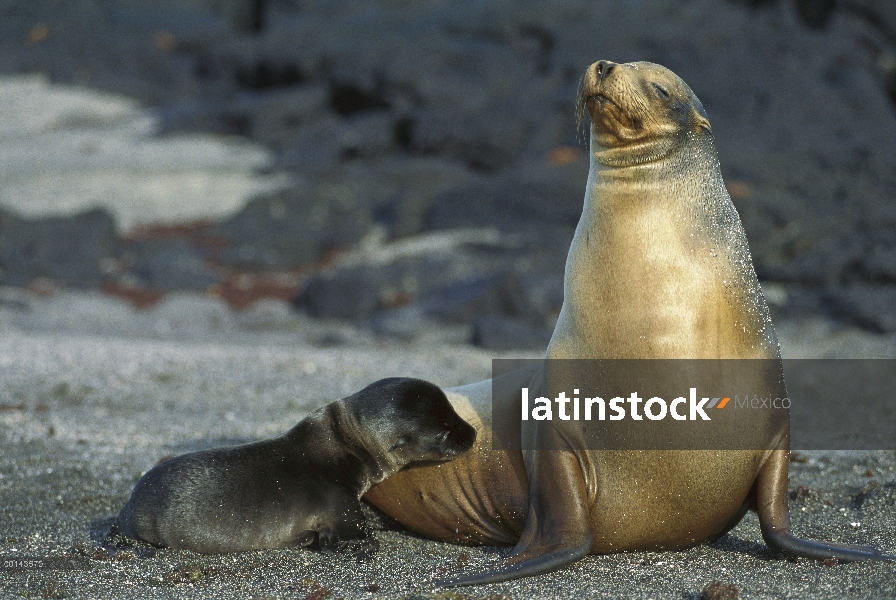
x=303 y=539
x=364 y=548
x=558 y=529
x=774 y=517
x=349 y=531
x=328 y=540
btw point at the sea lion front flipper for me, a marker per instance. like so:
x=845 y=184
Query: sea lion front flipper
x=340 y=522
x=774 y=517
x=558 y=529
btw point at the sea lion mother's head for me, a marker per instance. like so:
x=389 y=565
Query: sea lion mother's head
x=640 y=112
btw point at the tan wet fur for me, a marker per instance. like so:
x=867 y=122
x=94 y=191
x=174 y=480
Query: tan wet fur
x=659 y=268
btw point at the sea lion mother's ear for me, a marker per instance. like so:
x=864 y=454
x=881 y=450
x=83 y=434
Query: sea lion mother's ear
x=701 y=121
x=701 y=124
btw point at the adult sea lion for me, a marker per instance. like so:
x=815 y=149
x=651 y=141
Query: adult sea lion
x=302 y=487
x=659 y=268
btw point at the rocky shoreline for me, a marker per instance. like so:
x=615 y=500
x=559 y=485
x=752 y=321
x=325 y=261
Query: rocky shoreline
x=440 y=124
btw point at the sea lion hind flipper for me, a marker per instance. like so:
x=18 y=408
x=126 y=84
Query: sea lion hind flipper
x=113 y=535
x=774 y=518
x=557 y=531
x=115 y=539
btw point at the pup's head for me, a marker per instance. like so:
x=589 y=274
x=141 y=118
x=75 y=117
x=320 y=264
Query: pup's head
x=412 y=420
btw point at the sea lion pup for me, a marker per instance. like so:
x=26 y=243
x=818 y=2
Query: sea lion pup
x=659 y=268
x=302 y=487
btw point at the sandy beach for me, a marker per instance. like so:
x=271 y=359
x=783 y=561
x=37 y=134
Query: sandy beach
x=85 y=410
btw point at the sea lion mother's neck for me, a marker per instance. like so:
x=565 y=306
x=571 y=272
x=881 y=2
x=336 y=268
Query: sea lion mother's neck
x=675 y=181
x=631 y=272
x=653 y=162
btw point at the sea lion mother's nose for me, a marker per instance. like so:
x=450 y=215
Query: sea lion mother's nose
x=603 y=69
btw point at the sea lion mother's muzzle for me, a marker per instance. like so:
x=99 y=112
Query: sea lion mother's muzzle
x=602 y=69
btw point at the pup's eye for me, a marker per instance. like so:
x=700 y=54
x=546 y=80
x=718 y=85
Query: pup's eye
x=403 y=440
x=441 y=437
x=661 y=90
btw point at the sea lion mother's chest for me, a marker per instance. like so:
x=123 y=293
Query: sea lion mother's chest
x=643 y=287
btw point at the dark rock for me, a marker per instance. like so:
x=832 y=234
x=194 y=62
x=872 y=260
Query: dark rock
x=531 y=200
x=266 y=74
x=356 y=292
x=69 y=250
x=498 y=333
x=109 y=45
x=334 y=208
x=341 y=294
x=366 y=135
x=282 y=116
x=170 y=264
x=798 y=457
x=485 y=141
x=501 y=294
x=798 y=301
x=455 y=283
x=872 y=307
x=879 y=263
x=755 y=3
x=314 y=147
x=816 y=13
x=294 y=227
x=323 y=144
x=402 y=188
x=815 y=254
x=402 y=323
x=814 y=263
x=248 y=14
x=348 y=99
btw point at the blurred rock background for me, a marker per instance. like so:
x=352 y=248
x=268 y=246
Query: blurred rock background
x=405 y=164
